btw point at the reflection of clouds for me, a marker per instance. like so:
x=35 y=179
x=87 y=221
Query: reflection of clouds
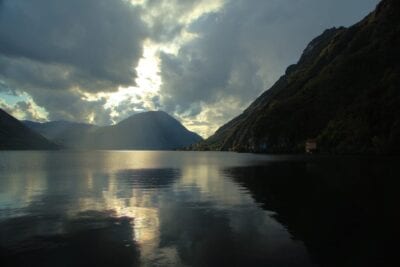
x=18 y=190
x=180 y=204
x=207 y=179
x=247 y=236
x=91 y=238
x=155 y=207
x=147 y=178
x=135 y=193
x=146 y=218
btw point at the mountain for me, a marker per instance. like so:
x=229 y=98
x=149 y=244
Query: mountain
x=68 y=134
x=344 y=92
x=16 y=136
x=154 y=130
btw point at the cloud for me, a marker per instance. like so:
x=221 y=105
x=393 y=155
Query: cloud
x=70 y=105
x=169 y=19
x=91 y=44
x=5 y=88
x=241 y=50
x=26 y=110
x=210 y=59
x=56 y=51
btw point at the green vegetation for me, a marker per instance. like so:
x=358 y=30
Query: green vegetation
x=344 y=91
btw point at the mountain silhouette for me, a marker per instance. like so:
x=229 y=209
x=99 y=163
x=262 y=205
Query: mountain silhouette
x=344 y=93
x=16 y=136
x=153 y=130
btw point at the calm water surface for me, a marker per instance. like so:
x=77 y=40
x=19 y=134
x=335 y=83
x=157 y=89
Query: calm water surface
x=110 y=208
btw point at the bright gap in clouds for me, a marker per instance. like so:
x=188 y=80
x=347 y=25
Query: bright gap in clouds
x=134 y=99
x=22 y=106
x=201 y=61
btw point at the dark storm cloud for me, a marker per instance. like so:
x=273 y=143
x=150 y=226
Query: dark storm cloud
x=5 y=88
x=166 y=17
x=56 y=49
x=69 y=105
x=242 y=49
x=92 y=44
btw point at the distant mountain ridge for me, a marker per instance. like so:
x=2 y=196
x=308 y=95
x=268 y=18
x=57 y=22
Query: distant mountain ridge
x=16 y=136
x=153 y=130
x=344 y=92
x=64 y=133
x=148 y=130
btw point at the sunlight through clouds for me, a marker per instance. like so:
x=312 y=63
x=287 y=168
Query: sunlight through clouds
x=23 y=107
x=135 y=98
x=145 y=95
x=201 y=61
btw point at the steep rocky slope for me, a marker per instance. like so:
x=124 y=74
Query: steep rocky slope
x=344 y=92
x=16 y=136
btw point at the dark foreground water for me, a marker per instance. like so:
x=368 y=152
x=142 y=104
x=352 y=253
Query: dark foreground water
x=195 y=209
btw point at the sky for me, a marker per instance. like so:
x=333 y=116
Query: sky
x=202 y=61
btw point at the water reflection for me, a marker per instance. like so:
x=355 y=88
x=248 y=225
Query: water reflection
x=147 y=178
x=134 y=193
x=343 y=209
x=188 y=209
x=89 y=239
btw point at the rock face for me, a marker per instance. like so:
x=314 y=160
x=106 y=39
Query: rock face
x=344 y=93
x=154 y=130
x=16 y=136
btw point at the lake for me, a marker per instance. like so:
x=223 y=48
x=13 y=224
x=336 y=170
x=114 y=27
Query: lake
x=149 y=208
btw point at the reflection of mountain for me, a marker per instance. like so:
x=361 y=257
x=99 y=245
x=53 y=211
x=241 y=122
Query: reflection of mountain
x=208 y=236
x=15 y=135
x=342 y=210
x=148 y=178
x=179 y=214
x=155 y=130
x=90 y=239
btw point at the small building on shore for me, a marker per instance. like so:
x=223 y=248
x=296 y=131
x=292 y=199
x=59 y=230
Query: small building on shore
x=311 y=146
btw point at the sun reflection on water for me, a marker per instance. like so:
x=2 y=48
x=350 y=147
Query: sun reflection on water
x=173 y=200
